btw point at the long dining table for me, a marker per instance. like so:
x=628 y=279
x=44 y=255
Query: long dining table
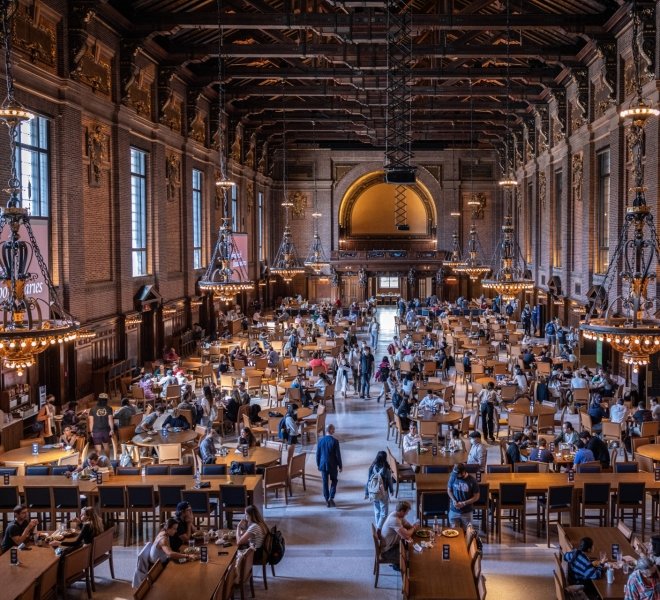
x=24 y=457
x=603 y=538
x=32 y=564
x=431 y=577
x=194 y=578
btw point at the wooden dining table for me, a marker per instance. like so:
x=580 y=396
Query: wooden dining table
x=431 y=577
x=529 y=411
x=425 y=459
x=85 y=486
x=33 y=563
x=261 y=456
x=302 y=411
x=194 y=578
x=155 y=438
x=603 y=538
x=23 y=457
x=651 y=451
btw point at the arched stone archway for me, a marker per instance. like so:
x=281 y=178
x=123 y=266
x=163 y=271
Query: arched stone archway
x=366 y=213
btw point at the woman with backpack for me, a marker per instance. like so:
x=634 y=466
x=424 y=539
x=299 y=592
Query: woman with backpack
x=379 y=487
x=252 y=530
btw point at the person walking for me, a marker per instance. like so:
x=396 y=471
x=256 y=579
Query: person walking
x=366 y=371
x=487 y=400
x=463 y=491
x=379 y=487
x=100 y=424
x=374 y=328
x=328 y=462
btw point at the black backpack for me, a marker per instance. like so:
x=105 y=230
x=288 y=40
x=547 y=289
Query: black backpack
x=277 y=546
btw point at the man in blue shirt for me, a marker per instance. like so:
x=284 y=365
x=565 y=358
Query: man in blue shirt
x=328 y=462
x=583 y=454
x=581 y=569
x=207 y=448
x=463 y=491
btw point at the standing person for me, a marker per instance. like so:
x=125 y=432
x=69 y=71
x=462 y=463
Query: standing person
x=46 y=419
x=536 y=318
x=526 y=318
x=379 y=487
x=100 y=424
x=551 y=335
x=354 y=362
x=374 y=328
x=487 y=399
x=343 y=371
x=463 y=491
x=366 y=371
x=328 y=462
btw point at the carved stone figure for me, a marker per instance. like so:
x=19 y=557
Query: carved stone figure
x=97 y=143
x=299 y=200
x=577 y=175
x=173 y=176
x=543 y=187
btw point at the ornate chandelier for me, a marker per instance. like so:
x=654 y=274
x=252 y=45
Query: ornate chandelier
x=286 y=264
x=30 y=324
x=628 y=322
x=226 y=274
x=473 y=267
x=316 y=259
x=455 y=259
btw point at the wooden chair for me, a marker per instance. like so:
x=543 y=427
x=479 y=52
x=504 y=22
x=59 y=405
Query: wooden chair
x=48 y=583
x=559 y=500
x=391 y=423
x=75 y=567
x=259 y=432
x=155 y=571
x=512 y=497
x=400 y=472
x=630 y=496
x=636 y=442
x=428 y=429
x=378 y=559
x=233 y=499
x=596 y=496
x=276 y=478
x=102 y=551
x=169 y=454
x=142 y=590
x=297 y=470
x=624 y=529
x=244 y=572
x=515 y=422
x=141 y=507
x=585 y=422
x=545 y=423
x=612 y=432
x=112 y=505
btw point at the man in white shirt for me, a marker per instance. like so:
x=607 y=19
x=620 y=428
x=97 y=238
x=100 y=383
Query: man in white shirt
x=396 y=528
x=520 y=380
x=478 y=452
x=578 y=381
x=618 y=412
x=412 y=439
x=431 y=402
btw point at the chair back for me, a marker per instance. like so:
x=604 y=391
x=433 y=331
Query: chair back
x=181 y=470
x=213 y=470
x=596 y=494
x=590 y=467
x=513 y=494
x=76 y=563
x=66 y=497
x=233 y=496
x=169 y=453
x=69 y=460
x=626 y=467
x=199 y=501
x=649 y=428
x=611 y=430
x=277 y=475
x=434 y=505
x=526 y=467
x=111 y=497
x=560 y=594
x=245 y=566
x=624 y=529
x=11 y=471
x=102 y=545
x=498 y=468
x=37 y=497
x=157 y=470
x=48 y=582
x=140 y=496
x=631 y=493
x=438 y=468
x=560 y=496
x=517 y=420
x=37 y=470
x=125 y=434
x=155 y=571
x=297 y=465
x=142 y=590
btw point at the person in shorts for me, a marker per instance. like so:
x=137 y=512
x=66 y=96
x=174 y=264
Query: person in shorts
x=100 y=424
x=463 y=491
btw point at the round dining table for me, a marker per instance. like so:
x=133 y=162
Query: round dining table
x=151 y=440
x=450 y=418
x=23 y=457
x=651 y=451
x=526 y=409
x=302 y=412
x=259 y=455
x=426 y=459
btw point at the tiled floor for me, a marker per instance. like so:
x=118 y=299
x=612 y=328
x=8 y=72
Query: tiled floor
x=330 y=551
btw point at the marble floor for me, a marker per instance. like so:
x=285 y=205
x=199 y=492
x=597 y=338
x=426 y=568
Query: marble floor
x=329 y=552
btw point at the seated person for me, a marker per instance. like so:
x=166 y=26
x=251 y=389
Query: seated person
x=68 y=437
x=583 y=454
x=520 y=380
x=431 y=402
x=513 y=449
x=93 y=462
x=644 y=581
x=149 y=419
x=456 y=443
x=408 y=386
x=19 y=530
x=597 y=411
x=478 y=454
x=146 y=383
x=541 y=453
x=641 y=415
x=317 y=361
x=321 y=383
x=598 y=448
x=170 y=355
x=578 y=381
x=88 y=526
x=247 y=438
x=69 y=416
x=581 y=570
x=160 y=548
x=124 y=415
x=655 y=409
x=467 y=365
x=528 y=358
x=568 y=435
x=618 y=412
x=176 y=419
x=252 y=530
x=395 y=529
x=185 y=526
x=412 y=439
x=207 y=448
x=291 y=424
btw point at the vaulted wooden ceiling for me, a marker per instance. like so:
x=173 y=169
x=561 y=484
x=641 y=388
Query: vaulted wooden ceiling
x=324 y=62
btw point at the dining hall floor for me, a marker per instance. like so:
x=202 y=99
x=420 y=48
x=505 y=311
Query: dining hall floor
x=329 y=551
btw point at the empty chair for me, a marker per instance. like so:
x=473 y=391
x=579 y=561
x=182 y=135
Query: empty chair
x=38 y=501
x=559 y=500
x=181 y=470
x=102 y=551
x=9 y=499
x=11 y=471
x=626 y=467
x=128 y=471
x=112 y=505
x=75 y=567
x=589 y=467
x=157 y=470
x=37 y=470
x=630 y=496
x=276 y=478
x=595 y=496
x=498 y=468
x=526 y=467
x=233 y=498
x=297 y=470
x=62 y=470
x=169 y=453
x=438 y=468
x=214 y=469
x=141 y=507
x=66 y=501
x=434 y=505
x=513 y=497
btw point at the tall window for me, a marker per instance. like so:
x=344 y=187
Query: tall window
x=32 y=165
x=139 y=211
x=197 y=218
x=388 y=283
x=234 y=208
x=558 y=241
x=260 y=225
x=602 y=211
x=528 y=221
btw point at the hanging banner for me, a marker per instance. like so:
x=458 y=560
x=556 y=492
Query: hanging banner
x=240 y=260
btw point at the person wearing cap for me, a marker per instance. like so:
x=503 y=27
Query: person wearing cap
x=184 y=526
x=463 y=491
x=100 y=424
x=644 y=581
x=478 y=452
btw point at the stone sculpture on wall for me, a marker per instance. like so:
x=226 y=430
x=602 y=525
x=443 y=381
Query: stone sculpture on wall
x=97 y=152
x=173 y=176
x=543 y=187
x=299 y=201
x=577 y=176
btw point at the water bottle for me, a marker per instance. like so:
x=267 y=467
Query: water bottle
x=198 y=478
x=419 y=448
x=435 y=525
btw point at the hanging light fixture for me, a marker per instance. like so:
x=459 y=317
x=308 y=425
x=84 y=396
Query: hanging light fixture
x=226 y=274
x=510 y=280
x=455 y=259
x=286 y=264
x=29 y=324
x=316 y=259
x=472 y=266
x=628 y=322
